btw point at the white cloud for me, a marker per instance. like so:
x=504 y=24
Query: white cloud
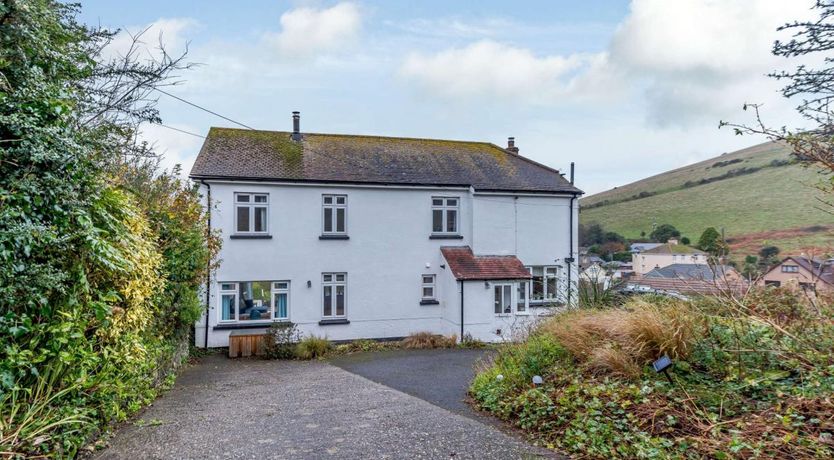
x=307 y=31
x=490 y=69
x=169 y=32
x=696 y=59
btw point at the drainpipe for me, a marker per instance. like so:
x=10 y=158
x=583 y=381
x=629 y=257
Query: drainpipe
x=461 y=310
x=208 y=267
x=570 y=259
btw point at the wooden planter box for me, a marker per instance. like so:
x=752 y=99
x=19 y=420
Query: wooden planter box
x=243 y=344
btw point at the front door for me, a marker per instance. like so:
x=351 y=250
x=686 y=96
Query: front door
x=503 y=298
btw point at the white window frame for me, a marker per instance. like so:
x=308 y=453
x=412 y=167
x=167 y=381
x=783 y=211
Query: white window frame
x=276 y=289
x=432 y=285
x=236 y=293
x=504 y=285
x=514 y=297
x=546 y=297
x=252 y=205
x=793 y=268
x=221 y=293
x=527 y=286
x=334 y=283
x=444 y=208
x=332 y=207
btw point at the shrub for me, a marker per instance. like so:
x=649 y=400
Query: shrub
x=429 y=340
x=312 y=347
x=280 y=341
x=471 y=342
x=642 y=330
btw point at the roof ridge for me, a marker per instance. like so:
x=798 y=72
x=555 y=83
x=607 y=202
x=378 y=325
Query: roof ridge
x=377 y=136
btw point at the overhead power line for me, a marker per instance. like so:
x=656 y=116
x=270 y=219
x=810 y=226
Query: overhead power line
x=204 y=109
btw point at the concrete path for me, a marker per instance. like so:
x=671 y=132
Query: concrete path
x=226 y=408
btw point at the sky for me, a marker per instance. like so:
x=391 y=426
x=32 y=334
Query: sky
x=625 y=89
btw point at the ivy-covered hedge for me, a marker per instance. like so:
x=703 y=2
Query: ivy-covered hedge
x=101 y=254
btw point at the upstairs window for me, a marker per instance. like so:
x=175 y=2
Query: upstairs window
x=334 y=217
x=444 y=215
x=790 y=269
x=251 y=210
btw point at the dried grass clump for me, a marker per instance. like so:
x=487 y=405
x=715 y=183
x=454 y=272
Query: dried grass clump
x=609 y=360
x=620 y=341
x=425 y=340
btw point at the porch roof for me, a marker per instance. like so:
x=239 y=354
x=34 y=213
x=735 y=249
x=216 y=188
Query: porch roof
x=467 y=266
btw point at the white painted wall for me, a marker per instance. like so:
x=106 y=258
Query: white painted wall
x=384 y=258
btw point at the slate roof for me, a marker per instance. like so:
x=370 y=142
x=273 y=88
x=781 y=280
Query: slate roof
x=467 y=266
x=667 y=248
x=690 y=272
x=640 y=247
x=335 y=158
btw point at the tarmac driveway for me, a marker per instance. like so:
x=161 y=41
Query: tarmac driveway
x=223 y=408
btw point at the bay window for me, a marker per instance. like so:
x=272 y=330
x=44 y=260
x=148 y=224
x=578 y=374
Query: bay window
x=254 y=301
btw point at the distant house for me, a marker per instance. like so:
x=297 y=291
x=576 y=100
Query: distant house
x=691 y=279
x=694 y=272
x=811 y=274
x=664 y=255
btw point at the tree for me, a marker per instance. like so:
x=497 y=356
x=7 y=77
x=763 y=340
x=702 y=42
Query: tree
x=815 y=85
x=685 y=240
x=591 y=234
x=768 y=252
x=664 y=232
x=711 y=242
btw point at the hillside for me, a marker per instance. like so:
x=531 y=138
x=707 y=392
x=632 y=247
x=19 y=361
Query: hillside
x=759 y=195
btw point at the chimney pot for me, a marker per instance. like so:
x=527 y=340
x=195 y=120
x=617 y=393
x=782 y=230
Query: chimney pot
x=511 y=145
x=296 y=126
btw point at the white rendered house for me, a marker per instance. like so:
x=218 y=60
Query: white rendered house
x=355 y=237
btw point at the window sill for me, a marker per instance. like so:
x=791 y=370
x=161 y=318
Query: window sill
x=334 y=237
x=244 y=236
x=232 y=326
x=445 y=237
x=331 y=322
x=429 y=302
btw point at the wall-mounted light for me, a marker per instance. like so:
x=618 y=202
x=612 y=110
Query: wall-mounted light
x=309 y=284
x=443 y=266
x=428 y=265
x=486 y=284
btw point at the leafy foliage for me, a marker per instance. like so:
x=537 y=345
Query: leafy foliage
x=101 y=254
x=664 y=232
x=752 y=379
x=712 y=242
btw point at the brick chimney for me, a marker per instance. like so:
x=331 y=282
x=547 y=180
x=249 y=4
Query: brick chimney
x=511 y=145
x=296 y=126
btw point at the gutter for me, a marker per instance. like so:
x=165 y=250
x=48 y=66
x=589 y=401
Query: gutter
x=461 y=310
x=569 y=260
x=208 y=266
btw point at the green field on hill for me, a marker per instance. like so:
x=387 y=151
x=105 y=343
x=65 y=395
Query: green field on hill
x=758 y=195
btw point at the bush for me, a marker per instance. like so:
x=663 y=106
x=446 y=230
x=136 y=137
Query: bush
x=753 y=379
x=280 y=341
x=429 y=340
x=312 y=347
